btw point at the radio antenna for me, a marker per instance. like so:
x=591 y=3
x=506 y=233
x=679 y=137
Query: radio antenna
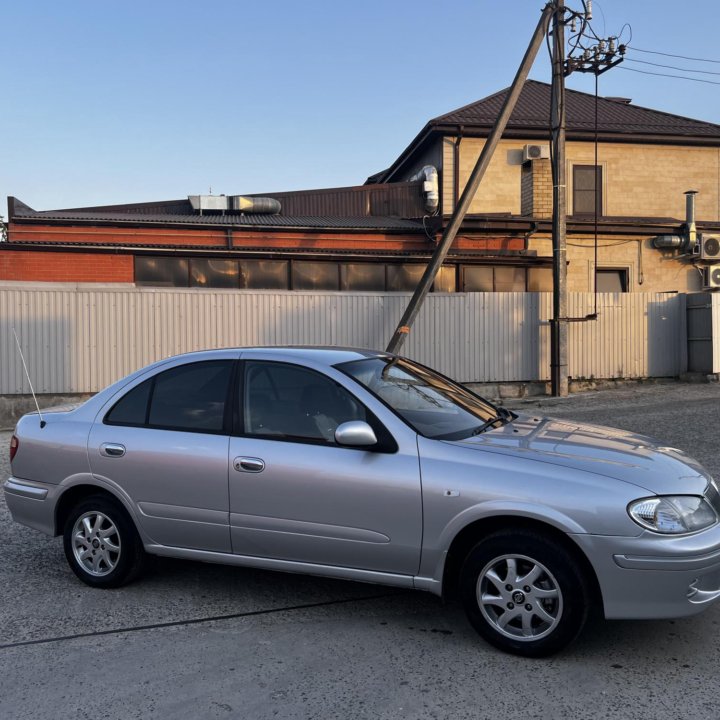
x=27 y=375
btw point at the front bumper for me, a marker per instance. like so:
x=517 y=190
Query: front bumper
x=31 y=503
x=655 y=576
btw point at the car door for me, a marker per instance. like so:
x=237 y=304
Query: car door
x=165 y=444
x=295 y=494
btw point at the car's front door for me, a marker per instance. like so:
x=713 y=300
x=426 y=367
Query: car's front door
x=295 y=494
x=165 y=444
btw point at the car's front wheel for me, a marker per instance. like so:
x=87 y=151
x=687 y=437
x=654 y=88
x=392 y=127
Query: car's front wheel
x=524 y=592
x=101 y=544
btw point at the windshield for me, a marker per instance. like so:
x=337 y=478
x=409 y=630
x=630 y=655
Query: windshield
x=433 y=405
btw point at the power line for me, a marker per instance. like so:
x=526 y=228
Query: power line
x=677 y=77
x=673 y=67
x=682 y=57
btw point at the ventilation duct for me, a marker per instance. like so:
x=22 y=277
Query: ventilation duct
x=258 y=205
x=430 y=187
x=688 y=241
x=235 y=203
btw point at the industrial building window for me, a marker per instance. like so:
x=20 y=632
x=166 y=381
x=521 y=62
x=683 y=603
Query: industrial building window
x=482 y=278
x=212 y=273
x=539 y=279
x=359 y=277
x=612 y=280
x=161 y=271
x=264 y=274
x=327 y=276
x=587 y=189
x=405 y=278
x=315 y=276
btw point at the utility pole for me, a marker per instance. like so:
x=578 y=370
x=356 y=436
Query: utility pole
x=468 y=194
x=559 y=328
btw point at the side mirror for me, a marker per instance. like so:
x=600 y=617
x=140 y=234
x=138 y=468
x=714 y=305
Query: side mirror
x=355 y=433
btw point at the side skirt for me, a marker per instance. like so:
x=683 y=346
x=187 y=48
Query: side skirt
x=332 y=571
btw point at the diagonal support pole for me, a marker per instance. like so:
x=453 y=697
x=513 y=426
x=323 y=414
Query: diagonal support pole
x=468 y=194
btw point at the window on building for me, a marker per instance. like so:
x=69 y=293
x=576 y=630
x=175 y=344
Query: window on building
x=359 y=277
x=611 y=280
x=510 y=279
x=213 y=273
x=330 y=276
x=587 y=189
x=478 y=279
x=540 y=279
x=403 y=278
x=264 y=274
x=446 y=279
x=315 y=276
x=484 y=278
x=161 y=271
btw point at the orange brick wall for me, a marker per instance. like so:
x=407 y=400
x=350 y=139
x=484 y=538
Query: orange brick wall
x=65 y=267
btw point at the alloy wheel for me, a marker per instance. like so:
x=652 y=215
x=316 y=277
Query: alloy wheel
x=96 y=543
x=519 y=597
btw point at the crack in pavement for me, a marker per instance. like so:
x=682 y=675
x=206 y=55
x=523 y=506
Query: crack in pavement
x=194 y=621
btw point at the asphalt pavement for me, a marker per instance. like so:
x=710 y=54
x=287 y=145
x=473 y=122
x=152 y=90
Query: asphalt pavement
x=191 y=641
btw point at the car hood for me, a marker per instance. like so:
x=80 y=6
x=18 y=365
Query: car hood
x=619 y=454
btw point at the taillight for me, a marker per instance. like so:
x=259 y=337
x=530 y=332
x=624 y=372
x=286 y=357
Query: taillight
x=14 y=445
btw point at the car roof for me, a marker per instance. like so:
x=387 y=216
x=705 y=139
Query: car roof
x=319 y=354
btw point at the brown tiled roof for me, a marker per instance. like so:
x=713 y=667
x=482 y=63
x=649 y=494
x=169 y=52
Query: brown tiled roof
x=614 y=116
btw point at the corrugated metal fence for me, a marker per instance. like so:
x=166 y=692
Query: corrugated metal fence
x=80 y=340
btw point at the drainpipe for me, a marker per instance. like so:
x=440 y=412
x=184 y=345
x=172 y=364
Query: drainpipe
x=456 y=166
x=690 y=229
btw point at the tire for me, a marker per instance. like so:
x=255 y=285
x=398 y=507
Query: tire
x=548 y=599
x=101 y=543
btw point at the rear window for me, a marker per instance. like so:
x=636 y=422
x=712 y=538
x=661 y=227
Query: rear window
x=189 y=397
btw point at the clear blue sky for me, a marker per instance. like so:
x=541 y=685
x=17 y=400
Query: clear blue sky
x=124 y=101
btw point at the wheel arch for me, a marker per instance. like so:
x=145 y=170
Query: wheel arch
x=479 y=529
x=75 y=493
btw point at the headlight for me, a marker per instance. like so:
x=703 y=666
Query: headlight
x=673 y=514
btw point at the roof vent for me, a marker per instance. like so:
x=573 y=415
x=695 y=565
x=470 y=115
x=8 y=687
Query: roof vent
x=203 y=203
x=619 y=100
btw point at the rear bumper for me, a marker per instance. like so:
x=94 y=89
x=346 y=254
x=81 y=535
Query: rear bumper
x=651 y=576
x=31 y=503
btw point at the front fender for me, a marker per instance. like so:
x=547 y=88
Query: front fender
x=433 y=559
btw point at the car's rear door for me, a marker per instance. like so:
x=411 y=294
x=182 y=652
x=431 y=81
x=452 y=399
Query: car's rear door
x=296 y=495
x=165 y=444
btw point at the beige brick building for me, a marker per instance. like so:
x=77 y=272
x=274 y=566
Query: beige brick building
x=646 y=160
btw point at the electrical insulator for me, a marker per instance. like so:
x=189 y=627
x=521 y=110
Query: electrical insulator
x=586 y=54
x=573 y=24
x=622 y=49
x=601 y=46
x=588 y=10
x=611 y=45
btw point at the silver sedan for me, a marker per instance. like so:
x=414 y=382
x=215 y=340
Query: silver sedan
x=366 y=466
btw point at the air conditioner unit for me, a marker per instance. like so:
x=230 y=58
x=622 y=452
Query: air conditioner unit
x=711 y=278
x=710 y=247
x=535 y=152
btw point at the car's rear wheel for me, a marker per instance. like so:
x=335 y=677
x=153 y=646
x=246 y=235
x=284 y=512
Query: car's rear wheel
x=101 y=544
x=524 y=593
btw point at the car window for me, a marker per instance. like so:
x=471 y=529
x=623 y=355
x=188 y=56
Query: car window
x=132 y=408
x=191 y=397
x=288 y=401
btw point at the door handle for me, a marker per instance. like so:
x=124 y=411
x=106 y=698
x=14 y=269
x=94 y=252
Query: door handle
x=112 y=450
x=248 y=464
